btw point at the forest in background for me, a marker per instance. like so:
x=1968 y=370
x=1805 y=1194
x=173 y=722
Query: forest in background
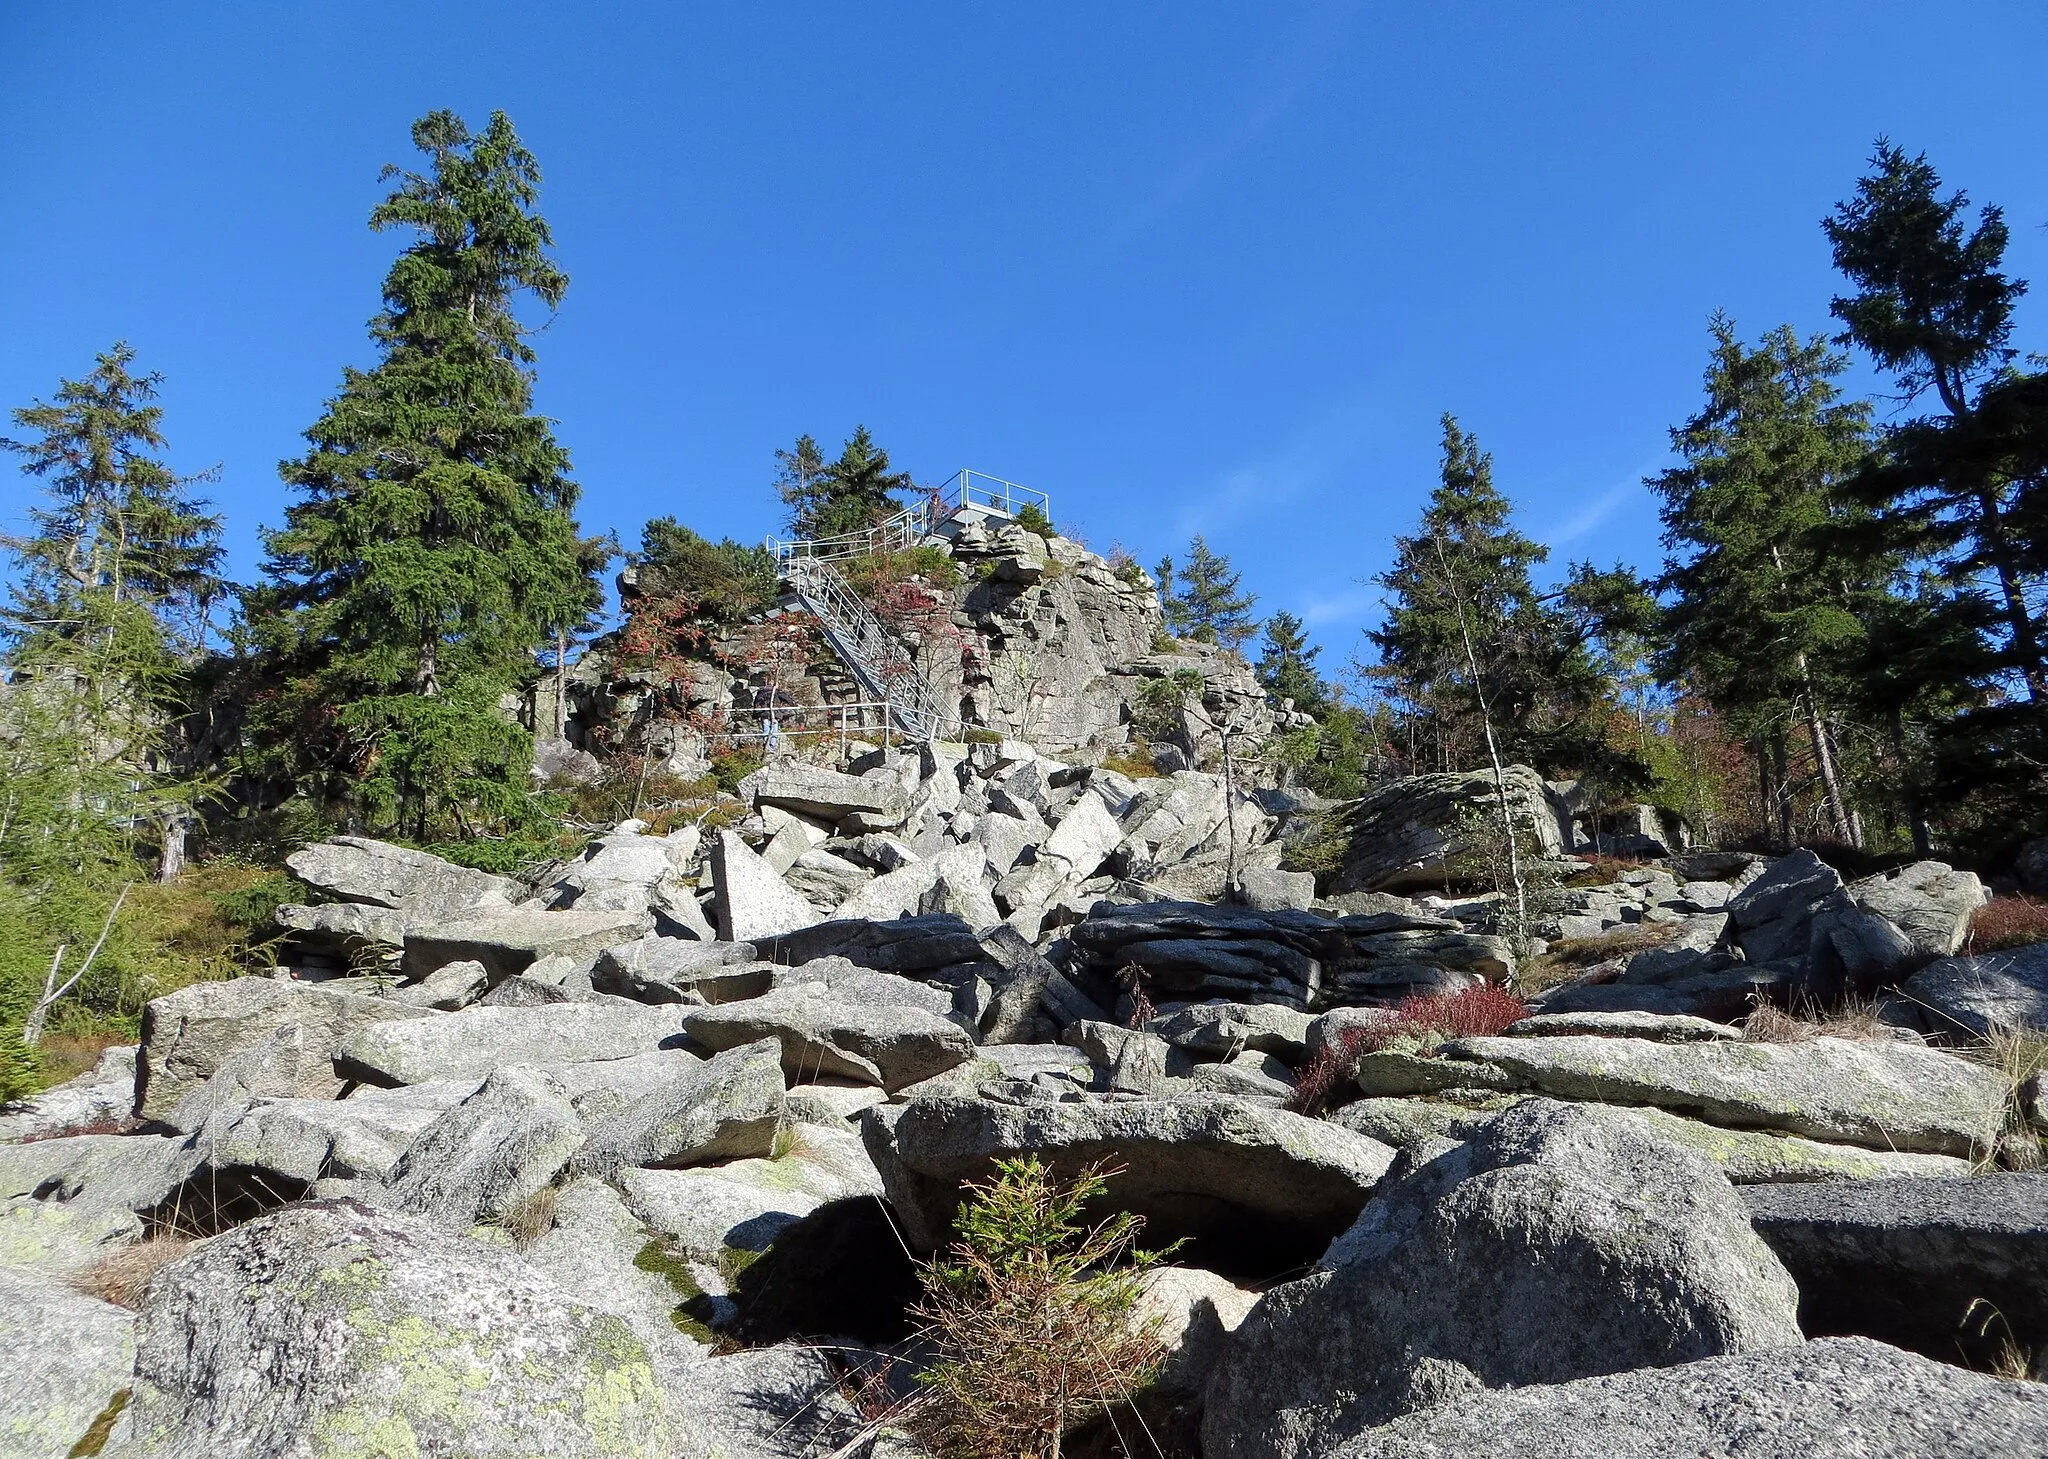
x=1842 y=647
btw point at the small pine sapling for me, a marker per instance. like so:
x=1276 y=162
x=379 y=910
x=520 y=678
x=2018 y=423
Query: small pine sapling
x=1035 y=1315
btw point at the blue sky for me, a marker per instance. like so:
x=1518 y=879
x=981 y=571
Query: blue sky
x=1188 y=267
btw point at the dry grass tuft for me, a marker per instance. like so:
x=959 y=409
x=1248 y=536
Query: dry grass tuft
x=1858 y=1021
x=2012 y=1362
x=2005 y=922
x=532 y=1217
x=2020 y=1058
x=121 y=1277
x=1569 y=957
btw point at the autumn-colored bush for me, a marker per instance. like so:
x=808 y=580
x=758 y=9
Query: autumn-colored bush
x=1472 y=1013
x=1326 y=1072
x=2006 y=922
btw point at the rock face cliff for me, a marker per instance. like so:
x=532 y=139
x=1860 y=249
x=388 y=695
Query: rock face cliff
x=1039 y=640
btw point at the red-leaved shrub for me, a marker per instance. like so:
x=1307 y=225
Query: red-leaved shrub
x=1474 y=1013
x=2008 y=922
x=1326 y=1071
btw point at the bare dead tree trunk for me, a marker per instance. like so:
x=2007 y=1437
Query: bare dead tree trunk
x=32 y=1026
x=1824 y=756
x=171 y=863
x=1500 y=779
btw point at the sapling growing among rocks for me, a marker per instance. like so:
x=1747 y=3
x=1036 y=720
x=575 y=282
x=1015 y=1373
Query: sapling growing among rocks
x=1035 y=1315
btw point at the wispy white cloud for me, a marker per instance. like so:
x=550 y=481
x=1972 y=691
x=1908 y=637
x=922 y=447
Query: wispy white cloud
x=1313 y=48
x=1339 y=608
x=1310 y=459
x=1591 y=515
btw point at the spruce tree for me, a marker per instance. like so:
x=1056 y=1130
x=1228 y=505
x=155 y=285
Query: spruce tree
x=1934 y=306
x=119 y=526
x=1769 y=602
x=433 y=551
x=851 y=494
x=1468 y=641
x=1286 y=667
x=1204 y=600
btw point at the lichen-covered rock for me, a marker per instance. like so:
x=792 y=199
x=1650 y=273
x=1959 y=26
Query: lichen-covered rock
x=1887 y=1096
x=728 y=1108
x=501 y=1145
x=470 y=1044
x=1192 y=1312
x=598 y=1250
x=50 y=1237
x=771 y=1403
x=331 y=1329
x=509 y=942
x=65 y=1364
x=378 y=874
x=1559 y=1242
x=724 y=1214
x=188 y=1035
x=749 y=898
x=98 y=1172
x=1844 y=1398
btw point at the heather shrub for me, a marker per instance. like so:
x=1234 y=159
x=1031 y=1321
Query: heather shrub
x=2006 y=922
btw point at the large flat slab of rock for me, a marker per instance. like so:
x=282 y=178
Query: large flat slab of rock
x=360 y=1137
x=358 y=869
x=1845 y=1398
x=728 y=1108
x=333 y=1328
x=470 y=1044
x=811 y=790
x=56 y=1239
x=188 y=1035
x=96 y=1173
x=1904 y=1261
x=1199 y=1165
x=823 y=1032
x=65 y=1364
x=903 y=945
x=903 y=891
x=750 y=900
x=1559 y=1242
x=1888 y=1096
x=672 y=969
x=511 y=941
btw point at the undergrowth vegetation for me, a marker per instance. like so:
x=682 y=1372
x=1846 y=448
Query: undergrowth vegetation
x=2006 y=922
x=1417 y=1024
x=1034 y=1312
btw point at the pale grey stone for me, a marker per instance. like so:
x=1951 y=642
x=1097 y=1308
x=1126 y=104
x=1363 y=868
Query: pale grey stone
x=357 y=869
x=373 y=1332
x=470 y=1044
x=739 y=1207
x=447 y=988
x=729 y=1108
x=770 y=1403
x=814 y=791
x=1842 y=1398
x=1887 y=1096
x=1271 y=891
x=674 y=970
x=1969 y=996
x=500 y=1146
x=1205 y=1149
x=599 y=1251
x=1558 y=1242
x=98 y=1173
x=104 y=1093
x=510 y=941
x=1662 y=1028
x=65 y=1364
x=1224 y=1030
x=57 y=1239
x=824 y=1033
x=749 y=899
x=1403 y=835
x=1191 y=1311
x=188 y=1035
x=899 y=893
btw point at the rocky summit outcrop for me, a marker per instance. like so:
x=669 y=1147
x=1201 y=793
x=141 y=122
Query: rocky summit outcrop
x=1429 y=831
x=1557 y=1244
x=496 y=1166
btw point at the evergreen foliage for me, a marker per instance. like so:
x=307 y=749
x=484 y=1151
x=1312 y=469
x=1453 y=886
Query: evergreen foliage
x=1204 y=598
x=1467 y=572
x=433 y=550
x=728 y=579
x=1286 y=667
x=851 y=494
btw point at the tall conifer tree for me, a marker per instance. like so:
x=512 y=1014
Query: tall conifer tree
x=433 y=550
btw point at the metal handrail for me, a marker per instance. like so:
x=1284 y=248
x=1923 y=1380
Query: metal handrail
x=864 y=644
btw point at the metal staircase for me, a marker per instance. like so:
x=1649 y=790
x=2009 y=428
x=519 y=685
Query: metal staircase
x=877 y=658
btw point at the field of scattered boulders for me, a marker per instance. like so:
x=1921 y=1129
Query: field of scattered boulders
x=639 y=1155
